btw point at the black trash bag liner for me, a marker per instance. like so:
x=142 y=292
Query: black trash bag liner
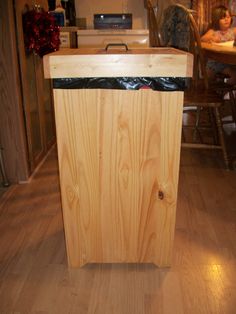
x=126 y=83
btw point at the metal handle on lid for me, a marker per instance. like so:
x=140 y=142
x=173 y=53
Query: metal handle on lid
x=117 y=45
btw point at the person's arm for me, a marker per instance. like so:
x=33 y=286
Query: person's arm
x=210 y=37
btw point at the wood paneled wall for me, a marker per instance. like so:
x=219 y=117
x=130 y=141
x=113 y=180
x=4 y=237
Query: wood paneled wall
x=12 y=134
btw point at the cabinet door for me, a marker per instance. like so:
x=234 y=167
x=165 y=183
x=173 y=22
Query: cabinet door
x=37 y=101
x=119 y=163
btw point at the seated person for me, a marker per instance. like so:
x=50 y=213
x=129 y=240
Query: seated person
x=220 y=30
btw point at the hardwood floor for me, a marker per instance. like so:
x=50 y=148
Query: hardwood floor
x=34 y=277
x=2 y=190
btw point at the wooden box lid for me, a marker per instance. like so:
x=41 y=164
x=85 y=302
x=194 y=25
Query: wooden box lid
x=117 y=62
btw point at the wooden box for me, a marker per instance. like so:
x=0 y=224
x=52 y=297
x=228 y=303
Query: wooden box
x=119 y=154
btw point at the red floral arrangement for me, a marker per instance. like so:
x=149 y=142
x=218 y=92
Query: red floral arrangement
x=41 y=34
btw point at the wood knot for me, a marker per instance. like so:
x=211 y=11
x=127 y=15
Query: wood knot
x=160 y=195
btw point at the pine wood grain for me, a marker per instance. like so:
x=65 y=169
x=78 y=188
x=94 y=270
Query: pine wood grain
x=117 y=151
x=95 y=62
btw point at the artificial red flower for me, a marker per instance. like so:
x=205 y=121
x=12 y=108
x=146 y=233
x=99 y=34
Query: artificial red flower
x=41 y=34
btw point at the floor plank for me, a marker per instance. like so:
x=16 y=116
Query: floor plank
x=34 y=277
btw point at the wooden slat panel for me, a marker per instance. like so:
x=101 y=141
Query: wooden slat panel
x=117 y=150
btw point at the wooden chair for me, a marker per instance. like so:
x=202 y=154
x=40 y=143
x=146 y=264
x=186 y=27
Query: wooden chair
x=202 y=100
x=154 y=34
